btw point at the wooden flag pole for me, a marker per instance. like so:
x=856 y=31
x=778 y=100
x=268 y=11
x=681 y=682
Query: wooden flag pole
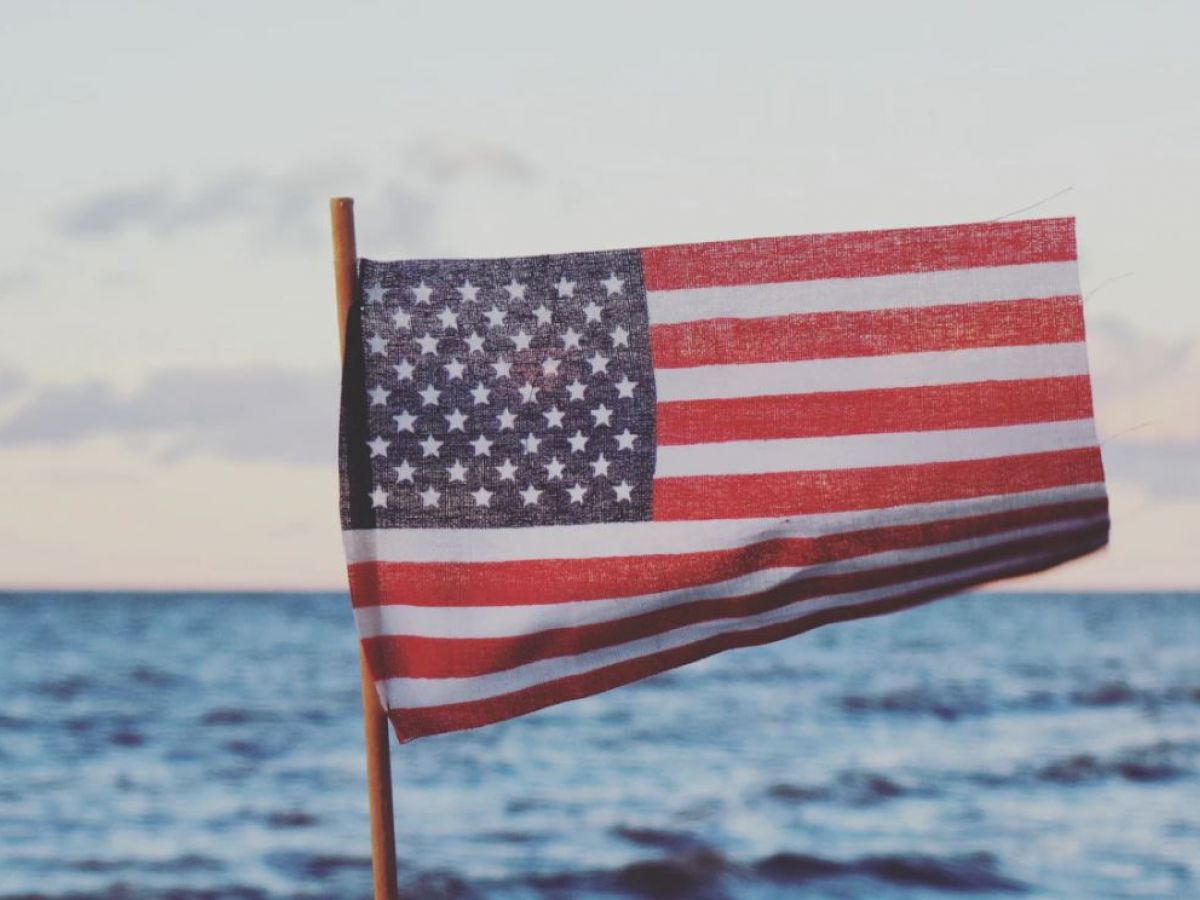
x=375 y=723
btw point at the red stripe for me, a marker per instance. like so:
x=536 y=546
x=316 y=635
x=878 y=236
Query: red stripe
x=800 y=493
x=413 y=723
x=858 y=253
x=525 y=582
x=878 y=332
x=978 y=404
x=424 y=657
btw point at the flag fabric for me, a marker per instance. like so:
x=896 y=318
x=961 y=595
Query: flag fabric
x=564 y=473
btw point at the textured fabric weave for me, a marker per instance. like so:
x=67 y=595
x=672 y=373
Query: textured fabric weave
x=564 y=473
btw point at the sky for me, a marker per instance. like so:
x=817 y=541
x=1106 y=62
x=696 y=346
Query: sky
x=168 y=350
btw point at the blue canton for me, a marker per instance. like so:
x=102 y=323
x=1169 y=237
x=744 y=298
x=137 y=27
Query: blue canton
x=505 y=392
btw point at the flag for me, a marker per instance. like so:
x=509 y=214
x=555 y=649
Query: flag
x=564 y=473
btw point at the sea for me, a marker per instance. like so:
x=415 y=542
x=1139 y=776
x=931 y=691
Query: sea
x=187 y=746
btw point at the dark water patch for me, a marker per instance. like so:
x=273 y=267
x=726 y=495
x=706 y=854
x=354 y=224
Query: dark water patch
x=1158 y=762
x=966 y=873
x=695 y=874
x=852 y=788
x=66 y=688
x=189 y=863
x=436 y=885
x=234 y=716
x=1162 y=761
x=1108 y=693
x=318 y=866
x=659 y=839
x=513 y=836
x=153 y=677
x=948 y=703
x=291 y=818
x=127 y=737
x=122 y=890
x=676 y=876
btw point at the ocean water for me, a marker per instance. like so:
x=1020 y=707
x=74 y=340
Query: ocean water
x=194 y=746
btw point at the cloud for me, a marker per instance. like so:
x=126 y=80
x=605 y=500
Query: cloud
x=11 y=381
x=1147 y=387
x=261 y=413
x=290 y=205
x=446 y=159
x=1164 y=469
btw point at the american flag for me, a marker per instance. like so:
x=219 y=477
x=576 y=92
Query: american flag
x=564 y=473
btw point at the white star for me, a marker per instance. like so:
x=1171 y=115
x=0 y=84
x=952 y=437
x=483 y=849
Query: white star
x=404 y=421
x=422 y=292
x=430 y=496
x=598 y=362
x=507 y=471
x=564 y=287
x=508 y=420
x=404 y=472
x=602 y=414
x=483 y=497
x=483 y=447
x=378 y=344
x=456 y=420
x=378 y=497
x=620 y=337
x=379 y=395
x=404 y=370
x=550 y=366
x=531 y=442
x=378 y=447
x=543 y=314
x=530 y=495
x=625 y=440
x=624 y=491
x=375 y=293
x=480 y=394
x=430 y=396
x=529 y=393
x=449 y=318
x=431 y=446
x=591 y=313
x=613 y=284
x=521 y=339
x=600 y=467
x=571 y=338
x=495 y=317
x=625 y=387
x=554 y=417
x=516 y=290
x=474 y=342
x=428 y=343
x=503 y=368
x=578 y=442
x=467 y=290
x=457 y=472
x=577 y=493
x=576 y=389
x=454 y=369
x=554 y=469
x=401 y=318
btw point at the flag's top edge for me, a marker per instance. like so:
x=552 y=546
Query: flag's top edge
x=919 y=233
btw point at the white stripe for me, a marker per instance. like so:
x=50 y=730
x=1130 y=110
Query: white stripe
x=511 y=621
x=606 y=539
x=910 y=289
x=856 y=451
x=414 y=693
x=858 y=373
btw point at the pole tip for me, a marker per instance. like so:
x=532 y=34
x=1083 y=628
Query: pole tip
x=337 y=202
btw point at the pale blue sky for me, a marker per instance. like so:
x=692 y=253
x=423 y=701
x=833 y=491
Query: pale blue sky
x=165 y=168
